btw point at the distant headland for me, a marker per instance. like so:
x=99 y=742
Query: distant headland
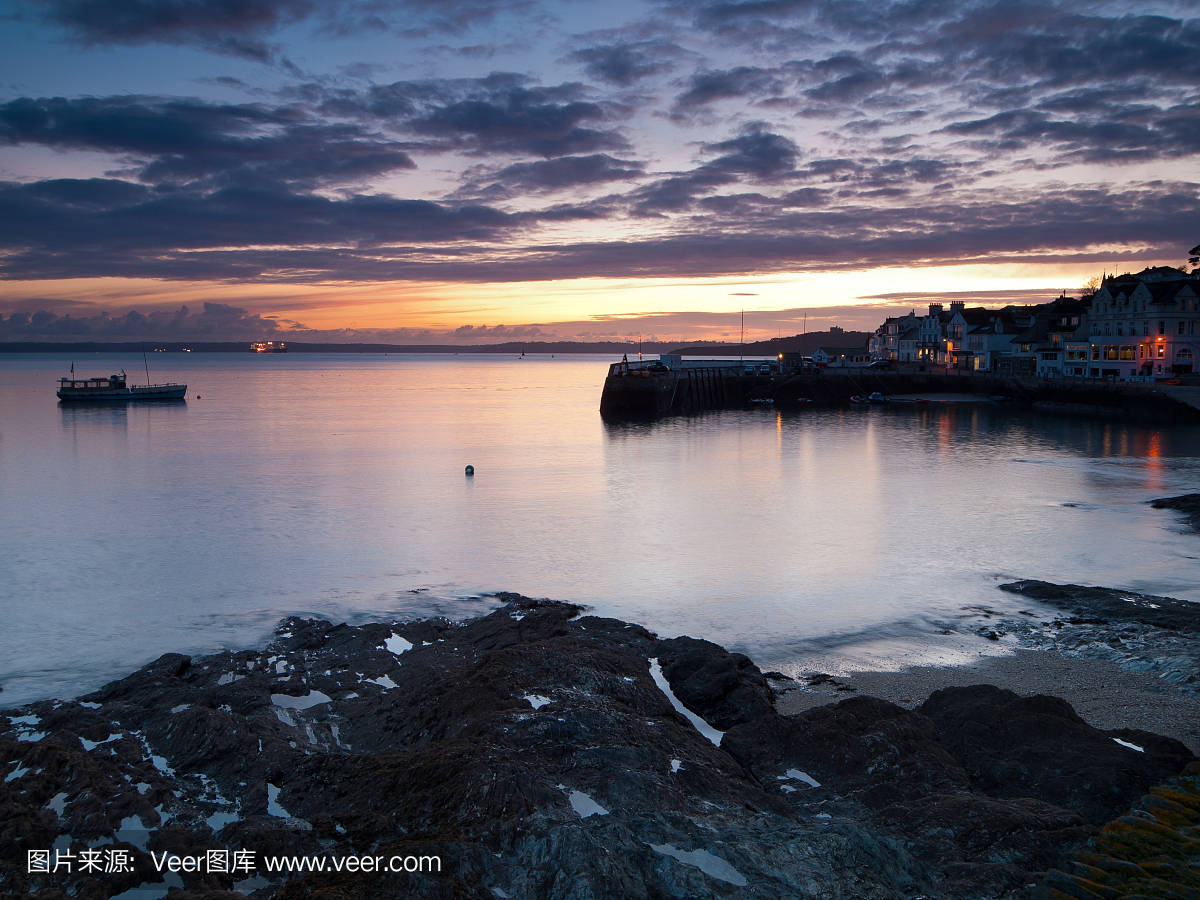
x=799 y=343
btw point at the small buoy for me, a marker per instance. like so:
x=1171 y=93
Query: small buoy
x=470 y=470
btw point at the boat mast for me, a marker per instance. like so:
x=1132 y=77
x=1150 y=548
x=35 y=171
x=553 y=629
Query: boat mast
x=146 y=363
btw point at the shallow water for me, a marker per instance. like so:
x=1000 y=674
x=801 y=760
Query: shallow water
x=334 y=485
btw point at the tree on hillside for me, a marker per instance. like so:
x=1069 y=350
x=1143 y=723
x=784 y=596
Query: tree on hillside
x=1194 y=258
x=1089 y=288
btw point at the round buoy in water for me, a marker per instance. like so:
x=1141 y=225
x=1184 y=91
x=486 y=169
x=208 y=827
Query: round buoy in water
x=470 y=470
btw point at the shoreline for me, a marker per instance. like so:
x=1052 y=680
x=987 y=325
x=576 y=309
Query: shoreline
x=1104 y=694
x=537 y=742
x=1121 y=659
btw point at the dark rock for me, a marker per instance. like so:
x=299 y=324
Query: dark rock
x=863 y=747
x=1151 y=852
x=1188 y=504
x=531 y=751
x=1110 y=605
x=723 y=688
x=1012 y=746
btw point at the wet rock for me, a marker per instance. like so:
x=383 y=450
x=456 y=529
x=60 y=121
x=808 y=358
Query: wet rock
x=1188 y=504
x=1108 y=605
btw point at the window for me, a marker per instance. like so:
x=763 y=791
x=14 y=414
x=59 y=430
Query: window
x=1141 y=351
x=1162 y=351
x=1127 y=353
x=1095 y=352
x=1162 y=327
x=1145 y=329
x=1180 y=331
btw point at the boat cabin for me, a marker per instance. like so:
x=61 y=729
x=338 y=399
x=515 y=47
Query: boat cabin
x=111 y=383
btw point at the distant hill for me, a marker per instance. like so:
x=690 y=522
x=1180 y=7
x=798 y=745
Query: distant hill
x=517 y=347
x=796 y=343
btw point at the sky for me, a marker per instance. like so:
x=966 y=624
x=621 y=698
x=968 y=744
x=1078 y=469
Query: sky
x=474 y=171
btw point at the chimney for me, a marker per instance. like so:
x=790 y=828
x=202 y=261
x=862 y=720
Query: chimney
x=958 y=305
x=935 y=309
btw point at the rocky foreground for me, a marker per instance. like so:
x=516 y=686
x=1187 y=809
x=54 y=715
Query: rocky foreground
x=539 y=752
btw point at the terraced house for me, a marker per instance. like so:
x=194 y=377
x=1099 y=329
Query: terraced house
x=1145 y=325
x=1136 y=327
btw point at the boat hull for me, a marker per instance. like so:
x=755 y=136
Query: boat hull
x=124 y=395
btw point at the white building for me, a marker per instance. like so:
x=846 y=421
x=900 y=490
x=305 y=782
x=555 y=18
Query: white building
x=1145 y=325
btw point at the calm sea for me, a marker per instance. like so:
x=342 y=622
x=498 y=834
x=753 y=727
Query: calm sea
x=334 y=485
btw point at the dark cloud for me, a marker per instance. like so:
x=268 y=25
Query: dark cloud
x=481 y=333
x=186 y=140
x=626 y=63
x=62 y=229
x=862 y=82
x=229 y=27
x=1117 y=133
x=1065 y=58
x=500 y=113
x=744 y=81
x=214 y=322
x=1059 y=47
x=756 y=152
x=379 y=239
x=545 y=176
x=902 y=104
x=538 y=121
x=242 y=27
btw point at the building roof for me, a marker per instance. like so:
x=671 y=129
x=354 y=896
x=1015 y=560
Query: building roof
x=1164 y=292
x=854 y=350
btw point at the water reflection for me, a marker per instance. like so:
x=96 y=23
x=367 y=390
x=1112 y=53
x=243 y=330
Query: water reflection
x=334 y=485
x=94 y=415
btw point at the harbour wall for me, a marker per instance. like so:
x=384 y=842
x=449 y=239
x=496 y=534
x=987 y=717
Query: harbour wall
x=636 y=393
x=1139 y=402
x=644 y=394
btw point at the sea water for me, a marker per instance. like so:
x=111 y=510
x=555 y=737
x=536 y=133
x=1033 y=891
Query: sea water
x=334 y=485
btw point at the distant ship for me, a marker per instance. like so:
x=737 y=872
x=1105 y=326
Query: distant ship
x=269 y=347
x=114 y=389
